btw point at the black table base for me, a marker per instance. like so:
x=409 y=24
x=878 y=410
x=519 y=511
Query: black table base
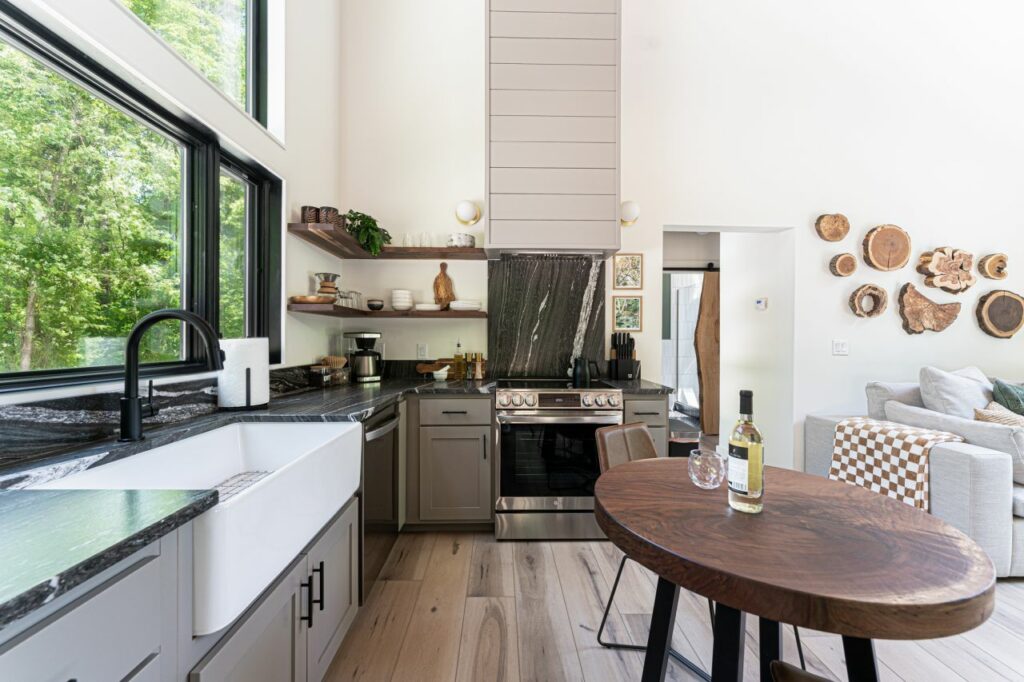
x=729 y=646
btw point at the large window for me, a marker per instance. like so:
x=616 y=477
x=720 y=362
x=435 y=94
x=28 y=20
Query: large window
x=222 y=38
x=111 y=209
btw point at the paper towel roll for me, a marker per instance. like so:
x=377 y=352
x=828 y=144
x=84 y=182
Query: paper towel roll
x=241 y=355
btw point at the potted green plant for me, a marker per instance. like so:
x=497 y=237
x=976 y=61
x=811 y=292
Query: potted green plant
x=367 y=232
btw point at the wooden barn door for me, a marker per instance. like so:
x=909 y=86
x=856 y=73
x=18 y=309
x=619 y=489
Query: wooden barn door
x=706 y=345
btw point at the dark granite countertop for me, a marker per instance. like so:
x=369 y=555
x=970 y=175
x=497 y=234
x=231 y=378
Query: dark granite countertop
x=51 y=541
x=640 y=387
x=54 y=540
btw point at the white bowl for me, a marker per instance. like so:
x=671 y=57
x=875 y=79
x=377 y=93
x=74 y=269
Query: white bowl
x=441 y=374
x=427 y=306
x=401 y=307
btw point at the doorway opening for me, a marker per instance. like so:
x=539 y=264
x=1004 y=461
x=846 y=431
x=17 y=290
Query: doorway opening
x=690 y=338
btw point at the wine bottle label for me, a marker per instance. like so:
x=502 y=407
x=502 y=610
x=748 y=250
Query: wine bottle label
x=738 y=467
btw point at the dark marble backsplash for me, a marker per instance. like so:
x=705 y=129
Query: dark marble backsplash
x=33 y=430
x=544 y=310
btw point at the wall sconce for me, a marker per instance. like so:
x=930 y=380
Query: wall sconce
x=467 y=212
x=629 y=213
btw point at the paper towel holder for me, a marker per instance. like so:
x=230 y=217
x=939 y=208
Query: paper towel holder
x=248 y=397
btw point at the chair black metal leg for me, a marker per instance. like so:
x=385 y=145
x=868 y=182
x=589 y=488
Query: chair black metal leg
x=770 y=636
x=727 y=660
x=659 y=640
x=860 y=659
x=799 y=647
x=682 y=660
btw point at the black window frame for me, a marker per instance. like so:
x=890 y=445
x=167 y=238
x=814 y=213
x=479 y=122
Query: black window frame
x=204 y=158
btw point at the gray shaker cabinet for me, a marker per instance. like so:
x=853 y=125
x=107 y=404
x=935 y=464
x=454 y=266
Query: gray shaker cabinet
x=334 y=566
x=295 y=628
x=113 y=632
x=455 y=473
x=268 y=643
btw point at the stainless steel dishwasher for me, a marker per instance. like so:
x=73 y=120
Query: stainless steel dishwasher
x=379 y=494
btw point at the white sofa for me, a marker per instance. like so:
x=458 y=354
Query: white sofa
x=977 y=486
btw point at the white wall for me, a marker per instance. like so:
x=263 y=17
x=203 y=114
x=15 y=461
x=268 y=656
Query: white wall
x=752 y=113
x=412 y=141
x=757 y=345
x=304 y=151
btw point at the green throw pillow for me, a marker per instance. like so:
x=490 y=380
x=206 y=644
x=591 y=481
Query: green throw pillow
x=1010 y=396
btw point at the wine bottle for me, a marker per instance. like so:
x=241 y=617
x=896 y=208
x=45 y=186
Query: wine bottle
x=746 y=460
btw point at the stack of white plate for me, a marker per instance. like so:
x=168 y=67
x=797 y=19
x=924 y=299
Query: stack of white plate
x=427 y=306
x=465 y=305
x=401 y=299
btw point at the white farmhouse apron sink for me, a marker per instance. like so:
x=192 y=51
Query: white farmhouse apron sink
x=309 y=471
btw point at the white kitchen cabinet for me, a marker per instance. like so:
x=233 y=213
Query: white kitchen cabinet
x=553 y=125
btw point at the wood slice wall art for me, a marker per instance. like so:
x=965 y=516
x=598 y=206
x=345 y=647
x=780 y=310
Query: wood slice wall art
x=869 y=300
x=921 y=314
x=949 y=269
x=832 y=227
x=993 y=266
x=843 y=265
x=887 y=248
x=1000 y=313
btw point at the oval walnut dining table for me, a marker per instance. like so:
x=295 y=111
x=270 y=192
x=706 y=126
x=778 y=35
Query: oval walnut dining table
x=823 y=555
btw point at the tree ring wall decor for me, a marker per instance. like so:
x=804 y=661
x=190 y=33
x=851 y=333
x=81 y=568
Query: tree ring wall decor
x=920 y=313
x=869 y=300
x=993 y=266
x=843 y=265
x=832 y=227
x=1000 y=313
x=949 y=269
x=887 y=248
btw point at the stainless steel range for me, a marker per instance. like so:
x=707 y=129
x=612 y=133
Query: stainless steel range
x=547 y=457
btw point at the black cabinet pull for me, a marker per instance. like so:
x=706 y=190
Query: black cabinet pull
x=647 y=414
x=320 y=569
x=453 y=412
x=308 y=586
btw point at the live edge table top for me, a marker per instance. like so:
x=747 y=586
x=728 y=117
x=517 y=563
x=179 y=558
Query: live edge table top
x=823 y=554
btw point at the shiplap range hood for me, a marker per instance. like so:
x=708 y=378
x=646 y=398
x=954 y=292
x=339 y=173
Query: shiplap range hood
x=553 y=126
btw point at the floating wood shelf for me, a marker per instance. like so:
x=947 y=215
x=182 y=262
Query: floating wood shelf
x=338 y=242
x=331 y=310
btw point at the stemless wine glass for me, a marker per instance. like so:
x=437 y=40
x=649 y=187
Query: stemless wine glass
x=707 y=468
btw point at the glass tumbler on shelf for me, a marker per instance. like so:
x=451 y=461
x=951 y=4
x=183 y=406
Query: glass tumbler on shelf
x=707 y=468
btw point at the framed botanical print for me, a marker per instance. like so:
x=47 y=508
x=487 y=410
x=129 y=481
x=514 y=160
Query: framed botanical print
x=628 y=271
x=627 y=313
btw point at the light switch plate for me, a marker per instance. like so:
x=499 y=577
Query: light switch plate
x=840 y=347
x=421 y=351
x=761 y=303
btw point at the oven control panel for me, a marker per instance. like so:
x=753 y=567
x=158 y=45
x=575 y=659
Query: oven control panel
x=558 y=400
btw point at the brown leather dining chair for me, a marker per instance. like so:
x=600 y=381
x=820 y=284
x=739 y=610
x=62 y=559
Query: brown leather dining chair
x=628 y=443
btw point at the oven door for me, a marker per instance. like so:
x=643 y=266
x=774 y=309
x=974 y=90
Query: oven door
x=548 y=459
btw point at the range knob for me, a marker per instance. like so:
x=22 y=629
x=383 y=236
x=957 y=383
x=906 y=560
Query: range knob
x=613 y=400
x=504 y=399
x=588 y=400
x=531 y=400
x=599 y=401
x=517 y=399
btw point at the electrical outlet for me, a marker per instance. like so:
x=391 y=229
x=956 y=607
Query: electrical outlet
x=840 y=347
x=421 y=351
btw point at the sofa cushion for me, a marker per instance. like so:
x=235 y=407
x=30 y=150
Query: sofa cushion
x=880 y=392
x=957 y=393
x=1010 y=396
x=997 y=414
x=1018 y=500
x=996 y=437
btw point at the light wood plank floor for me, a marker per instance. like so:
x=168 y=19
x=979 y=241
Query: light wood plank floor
x=463 y=607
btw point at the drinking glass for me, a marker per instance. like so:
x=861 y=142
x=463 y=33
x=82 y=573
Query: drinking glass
x=707 y=468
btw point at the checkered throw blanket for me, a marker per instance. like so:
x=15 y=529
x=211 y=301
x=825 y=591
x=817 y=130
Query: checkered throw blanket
x=888 y=458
